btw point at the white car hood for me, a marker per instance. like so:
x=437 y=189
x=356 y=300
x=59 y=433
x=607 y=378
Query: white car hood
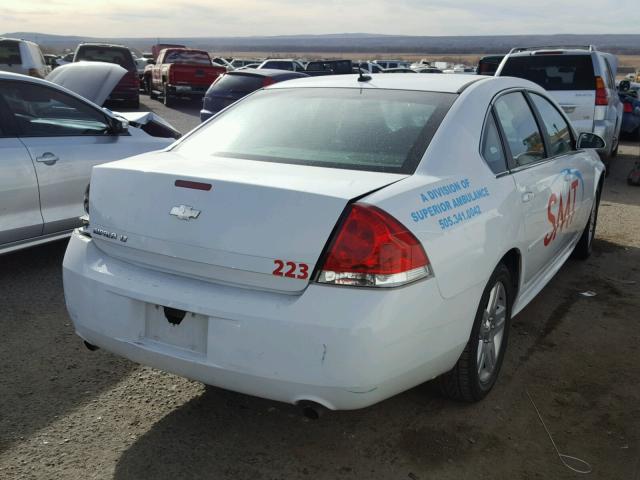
x=91 y=80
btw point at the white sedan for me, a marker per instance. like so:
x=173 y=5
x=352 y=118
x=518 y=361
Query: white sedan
x=338 y=240
x=51 y=134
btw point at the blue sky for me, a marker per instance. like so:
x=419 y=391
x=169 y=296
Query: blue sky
x=148 y=18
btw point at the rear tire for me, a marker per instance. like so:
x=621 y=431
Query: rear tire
x=614 y=152
x=478 y=367
x=583 y=248
x=166 y=98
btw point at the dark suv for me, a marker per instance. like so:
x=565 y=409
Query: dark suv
x=234 y=85
x=127 y=90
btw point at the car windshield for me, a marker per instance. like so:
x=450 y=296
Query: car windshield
x=187 y=57
x=361 y=129
x=553 y=72
x=119 y=56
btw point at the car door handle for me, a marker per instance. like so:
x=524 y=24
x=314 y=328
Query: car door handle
x=47 y=158
x=527 y=196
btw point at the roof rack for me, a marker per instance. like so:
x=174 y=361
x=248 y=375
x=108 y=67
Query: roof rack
x=591 y=48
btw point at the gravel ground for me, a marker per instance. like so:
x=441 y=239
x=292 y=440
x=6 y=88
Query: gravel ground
x=69 y=413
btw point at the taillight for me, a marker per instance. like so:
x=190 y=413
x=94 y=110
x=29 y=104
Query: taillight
x=373 y=249
x=266 y=81
x=602 y=97
x=628 y=108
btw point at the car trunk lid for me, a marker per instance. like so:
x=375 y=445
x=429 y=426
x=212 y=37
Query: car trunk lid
x=223 y=220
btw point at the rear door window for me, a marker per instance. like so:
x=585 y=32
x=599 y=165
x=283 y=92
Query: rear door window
x=558 y=131
x=359 y=129
x=520 y=128
x=553 y=72
x=610 y=78
x=10 y=53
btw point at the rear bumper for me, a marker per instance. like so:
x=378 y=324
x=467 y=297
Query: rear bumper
x=188 y=90
x=344 y=348
x=606 y=129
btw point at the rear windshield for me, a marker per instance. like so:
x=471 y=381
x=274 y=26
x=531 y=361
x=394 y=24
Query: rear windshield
x=237 y=83
x=187 y=57
x=359 y=129
x=279 y=65
x=553 y=72
x=489 y=65
x=329 y=66
x=119 y=56
x=10 y=53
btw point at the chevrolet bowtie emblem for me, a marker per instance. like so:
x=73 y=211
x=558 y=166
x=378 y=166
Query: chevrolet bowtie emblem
x=184 y=212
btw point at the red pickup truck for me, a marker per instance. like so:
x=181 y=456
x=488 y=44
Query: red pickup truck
x=181 y=72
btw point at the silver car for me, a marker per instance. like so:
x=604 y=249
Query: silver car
x=51 y=137
x=582 y=80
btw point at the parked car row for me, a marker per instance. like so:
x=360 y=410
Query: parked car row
x=319 y=239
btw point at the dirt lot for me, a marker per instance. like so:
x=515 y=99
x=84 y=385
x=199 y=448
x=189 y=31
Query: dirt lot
x=69 y=413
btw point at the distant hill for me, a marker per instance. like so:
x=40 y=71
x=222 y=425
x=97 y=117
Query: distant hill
x=354 y=42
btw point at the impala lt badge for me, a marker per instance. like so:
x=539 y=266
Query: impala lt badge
x=184 y=212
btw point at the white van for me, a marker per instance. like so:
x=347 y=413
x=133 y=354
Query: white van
x=581 y=79
x=21 y=56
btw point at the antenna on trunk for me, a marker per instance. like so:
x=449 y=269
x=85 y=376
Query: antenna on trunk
x=361 y=77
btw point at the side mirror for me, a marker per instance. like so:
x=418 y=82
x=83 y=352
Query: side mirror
x=591 y=140
x=119 y=127
x=624 y=85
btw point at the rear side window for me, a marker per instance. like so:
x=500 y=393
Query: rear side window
x=520 y=128
x=237 y=83
x=492 y=149
x=358 y=129
x=558 y=130
x=119 y=56
x=553 y=72
x=10 y=53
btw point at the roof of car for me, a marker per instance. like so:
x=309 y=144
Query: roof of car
x=266 y=72
x=392 y=81
x=533 y=51
x=2 y=39
x=103 y=45
x=22 y=78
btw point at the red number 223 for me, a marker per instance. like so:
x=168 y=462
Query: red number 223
x=291 y=269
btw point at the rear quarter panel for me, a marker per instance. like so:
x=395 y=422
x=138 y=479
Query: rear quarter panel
x=453 y=180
